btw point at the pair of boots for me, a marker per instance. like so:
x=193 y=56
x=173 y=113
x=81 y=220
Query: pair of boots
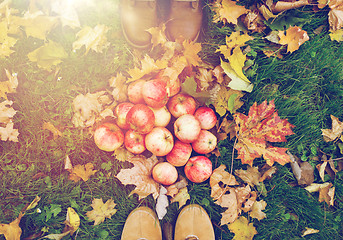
x=193 y=223
x=183 y=18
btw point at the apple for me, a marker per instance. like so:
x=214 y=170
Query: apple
x=108 y=136
x=206 y=117
x=134 y=142
x=159 y=141
x=164 y=173
x=180 y=154
x=155 y=93
x=141 y=118
x=174 y=87
x=198 y=169
x=181 y=104
x=162 y=116
x=134 y=91
x=120 y=112
x=205 y=143
x=187 y=128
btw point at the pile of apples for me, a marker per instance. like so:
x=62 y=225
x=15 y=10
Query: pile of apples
x=166 y=122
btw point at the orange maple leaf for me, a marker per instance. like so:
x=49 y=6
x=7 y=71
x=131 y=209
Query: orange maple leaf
x=256 y=131
x=82 y=172
x=294 y=38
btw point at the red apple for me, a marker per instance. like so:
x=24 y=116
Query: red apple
x=155 y=93
x=198 y=169
x=206 y=117
x=164 y=173
x=181 y=104
x=108 y=136
x=120 y=112
x=134 y=91
x=187 y=128
x=180 y=154
x=159 y=141
x=134 y=142
x=162 y=116
x=174 y=87
x=205 y=143
x=141 y=118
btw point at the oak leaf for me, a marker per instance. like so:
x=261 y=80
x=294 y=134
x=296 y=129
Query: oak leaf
x=92 y=38
x=242 y=229
x=101 y=210
x=228 y=11
x=140 y=176
x=258 y=130
x=336 y=131
x=294 y=38
x=82 y=172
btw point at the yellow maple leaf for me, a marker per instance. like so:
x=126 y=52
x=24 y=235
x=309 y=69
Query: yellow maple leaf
x=101 y=210
x=158 y=35
x=10 y=85
x=119 y=91
x=336 y=35
x=227 y=100
x=335 y=132
x=237 y=60
x=37 y=24
x=234 y=40
x=82 y=172
x=92 y=38
x=294 y=38
x=191 y=50
x=140 y=176
x=148 y=65
x=228 y=11
x=242 y=229
x=181 y=197
x=6 y=42
x=48 y=55
x=122 y=154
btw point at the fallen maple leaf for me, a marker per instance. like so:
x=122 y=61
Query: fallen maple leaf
x=309 y=231
x=67 y=13
x=158 y=35
x=140 y=175
x=181 y=197
x=229 y=201
x=227 y=100
x=336 y=131
x=6 y=112
x=262 y=125
x=256 y=210
x=173 y=190
x=294 y=38
x=6 y=42
x=8 y=86
x=9 y=133
x=122 y=154
x=82 y=172
x=191 y=50
x=336 y=35
x=228 y=11
x=336 y=14
x=48 y=55
x=101 y=210
x=219 y=175
x=242 y=229
x=119 y=91
x=92 y=38
x=250 y=176
x=236 y=39
x=50 y=127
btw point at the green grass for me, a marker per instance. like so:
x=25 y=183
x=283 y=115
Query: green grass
x=307 y=86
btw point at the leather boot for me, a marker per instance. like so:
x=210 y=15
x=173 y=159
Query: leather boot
x=142 y=223
x=193 y=223
x=185 y=19
x=136 y=17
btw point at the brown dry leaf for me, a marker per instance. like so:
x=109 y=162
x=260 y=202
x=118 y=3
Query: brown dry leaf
x=251 y=176
x=226 y=127
x=254 y=21
x=82 y=172
x=242 y=229
x=204 y=77
x=10 y=85
x=219 y=175
x=101 y=210
x=324 y=194
x=256 y=210
x=6 y=111
x=148 y=65
x=294 y=38
x=140 y=176
x=174 y=189
x=12 y=231
x=321 y=168
x=336 y=14
x=335 y=132
x=228 y=11
x=242 y=194
x=229 y=201
x=119 y=91
x=250 y=201
x=50 y=127
x=181 y=197
x=309 y=231
x=268 y=173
